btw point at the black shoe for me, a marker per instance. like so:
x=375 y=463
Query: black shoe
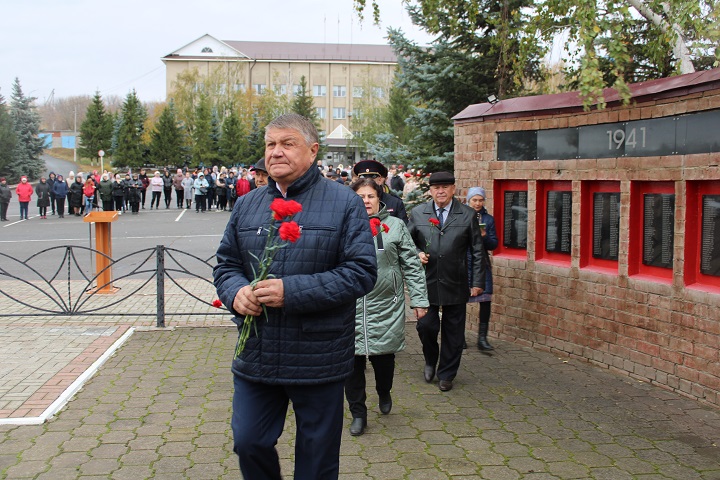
x=357 y=427
x=429 y=373
x=385 y=404
x=445 y=385
x=464 y=344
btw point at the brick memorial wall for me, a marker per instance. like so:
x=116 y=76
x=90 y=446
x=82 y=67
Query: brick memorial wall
x=609 y=226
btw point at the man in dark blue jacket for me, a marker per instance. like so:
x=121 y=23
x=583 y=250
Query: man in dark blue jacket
x=304 y=348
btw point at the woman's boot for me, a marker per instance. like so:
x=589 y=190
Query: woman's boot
x=483 y=344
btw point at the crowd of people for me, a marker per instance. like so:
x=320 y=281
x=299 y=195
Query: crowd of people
x=208 y=189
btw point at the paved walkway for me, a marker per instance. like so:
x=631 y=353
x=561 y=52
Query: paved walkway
x=160 y=407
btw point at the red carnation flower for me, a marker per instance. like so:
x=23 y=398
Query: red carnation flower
x=434 y=221
x=385 y=227
x=374 y=224
x=289 y=231
x=284 y=208
x=217 y=303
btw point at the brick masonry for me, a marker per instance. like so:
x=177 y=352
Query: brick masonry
x=662 y=332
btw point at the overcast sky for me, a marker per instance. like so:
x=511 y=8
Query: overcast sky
x=76 y=47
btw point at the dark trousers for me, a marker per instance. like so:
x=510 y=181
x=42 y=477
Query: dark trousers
x=258 y=417
x=107 y=205
x=3 y=210
x=155 y=200
x=24 y=210
x=143 y=194
x=52 y=203
x=450 y=350
x=179 y=198
x=119 y=203
x=384 y=368
x=167 y=192
x=60 y=205
x=199 y=203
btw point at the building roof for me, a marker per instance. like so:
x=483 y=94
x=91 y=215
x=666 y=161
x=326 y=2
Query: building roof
x=208 y=47
x=571 y=101
x=315 y=51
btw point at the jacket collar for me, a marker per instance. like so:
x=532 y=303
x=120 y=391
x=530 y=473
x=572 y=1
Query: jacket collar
x=302 y=184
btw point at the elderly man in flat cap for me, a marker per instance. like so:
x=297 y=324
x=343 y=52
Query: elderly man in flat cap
x=444 y=231
x=261 y=174
x=377 y=171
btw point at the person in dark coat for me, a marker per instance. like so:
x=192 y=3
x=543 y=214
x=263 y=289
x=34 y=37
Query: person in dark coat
x=132 y=193
x=443 y=251
x=304 y=348
x=118 y=193
x=476 y=201
x=51 y=183
x=167 y=180
x=60 y=189
x=5 y=196
x=377 y=171
x=76 y=195
x=42 y=190
x=105 y=192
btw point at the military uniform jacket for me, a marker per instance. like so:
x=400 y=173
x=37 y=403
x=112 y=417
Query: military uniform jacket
x=447 y=270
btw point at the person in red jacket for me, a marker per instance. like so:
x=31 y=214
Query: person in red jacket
x=242 y=186
x=24 y=192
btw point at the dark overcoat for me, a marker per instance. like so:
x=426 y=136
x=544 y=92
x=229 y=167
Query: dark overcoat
x=447 y=270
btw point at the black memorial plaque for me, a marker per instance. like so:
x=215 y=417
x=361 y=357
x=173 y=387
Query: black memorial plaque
x=515 y=214
x=659 y=229
x=520 y=145
x=606 y=225
x=710 y=241
x=558 y=233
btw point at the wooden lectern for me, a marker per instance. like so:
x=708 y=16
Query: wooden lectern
x=103 y=245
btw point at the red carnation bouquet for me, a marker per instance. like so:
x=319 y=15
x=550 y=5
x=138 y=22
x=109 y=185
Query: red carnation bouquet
x=288 y=231
x=375 y=224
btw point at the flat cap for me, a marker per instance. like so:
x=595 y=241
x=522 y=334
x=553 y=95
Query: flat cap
x=370 y=167
x=441 y=178
x=260 y=165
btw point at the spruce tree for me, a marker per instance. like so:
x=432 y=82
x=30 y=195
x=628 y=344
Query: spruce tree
x=203 y=153
x=304 y=105
x=129 y=149
x=8 y=140
x=256 y=142
x=233 y=141
x=96 y=130
x=167 y=142
x=26 y=123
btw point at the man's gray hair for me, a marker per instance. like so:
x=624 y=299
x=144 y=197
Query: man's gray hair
x=297 y=122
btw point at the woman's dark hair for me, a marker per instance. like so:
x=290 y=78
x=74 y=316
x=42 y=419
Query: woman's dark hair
x=366 y=182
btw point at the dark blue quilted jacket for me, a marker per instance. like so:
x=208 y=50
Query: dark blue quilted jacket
x=311 y=339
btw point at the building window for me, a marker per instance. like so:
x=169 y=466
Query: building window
x=378 y=92
x=259 y=88
x=339 y=91
x=280 y=89
x=339 y=112
x=321 y=112
x=321 y=135
x=358 y=92
x=222 y=89
x=199 y=87
x=297 y=90
x=319 y=91
x=239 y=87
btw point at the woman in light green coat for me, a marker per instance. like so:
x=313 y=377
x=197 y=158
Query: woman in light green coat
x=380 y=317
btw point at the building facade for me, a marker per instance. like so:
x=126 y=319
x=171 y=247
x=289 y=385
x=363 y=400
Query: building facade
x=337 y=76
x=609 y=226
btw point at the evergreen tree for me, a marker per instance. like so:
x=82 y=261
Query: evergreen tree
x=96 y=130
x=203 y=153
x=233 y=141
x=167 y=139
x=26 y=123
x=256 y=142
x=8 y=140
x=304 y=105
x=129 y=149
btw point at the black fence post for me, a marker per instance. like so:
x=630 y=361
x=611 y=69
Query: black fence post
x=160 y=282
